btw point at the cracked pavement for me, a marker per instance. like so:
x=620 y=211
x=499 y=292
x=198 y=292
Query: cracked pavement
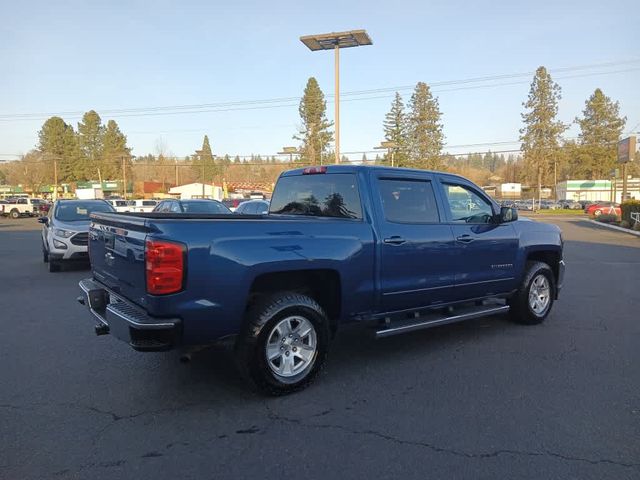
x=484 y=399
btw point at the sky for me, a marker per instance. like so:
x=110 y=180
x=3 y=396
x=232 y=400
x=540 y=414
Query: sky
x=65 y=57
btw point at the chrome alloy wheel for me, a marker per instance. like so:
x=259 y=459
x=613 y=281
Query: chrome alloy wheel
x=539 y=294
x=291 y=346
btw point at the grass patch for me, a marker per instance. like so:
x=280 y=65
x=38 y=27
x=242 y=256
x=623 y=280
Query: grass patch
x=574 y=213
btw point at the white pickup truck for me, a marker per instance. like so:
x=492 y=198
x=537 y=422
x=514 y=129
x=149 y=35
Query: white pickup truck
x=22 y=207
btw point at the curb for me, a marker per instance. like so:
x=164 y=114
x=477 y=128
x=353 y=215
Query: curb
x=614 y=227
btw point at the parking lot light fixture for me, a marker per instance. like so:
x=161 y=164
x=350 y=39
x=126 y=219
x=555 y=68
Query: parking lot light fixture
x=335 y=41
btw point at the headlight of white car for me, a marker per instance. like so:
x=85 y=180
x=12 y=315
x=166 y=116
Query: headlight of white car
x=59 y=232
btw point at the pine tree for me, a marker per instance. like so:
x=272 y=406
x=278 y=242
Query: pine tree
x=57 y=143
x=395 y=130
x=205 y=156
x=315 y=131
x=424 y=129
x=90 y=141
x=114 y=149
x=600 y=129
x=541 y=133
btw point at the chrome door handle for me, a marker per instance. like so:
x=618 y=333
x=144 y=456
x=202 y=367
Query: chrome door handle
x=394 y=240
x=465 y=238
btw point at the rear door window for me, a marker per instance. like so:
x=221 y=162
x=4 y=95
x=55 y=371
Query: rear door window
x=319 y=195
x=408 y=201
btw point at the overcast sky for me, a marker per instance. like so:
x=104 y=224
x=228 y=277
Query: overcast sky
x=58 y=57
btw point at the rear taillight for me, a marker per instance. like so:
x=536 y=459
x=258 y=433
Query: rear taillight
x=164 y=266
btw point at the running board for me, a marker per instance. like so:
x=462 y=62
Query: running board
x=434 y=320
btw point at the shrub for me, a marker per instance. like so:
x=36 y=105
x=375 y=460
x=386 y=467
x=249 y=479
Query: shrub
x=628 y=207
x=625 y=224
x=636 y=227
x=607 y=218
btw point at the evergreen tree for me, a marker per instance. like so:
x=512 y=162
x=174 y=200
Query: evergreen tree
x=600 y=129
x=90 y=141
x=315 y=131
x=114 y=148
x=541 y=133
x=205 y=156
x=57 y=142
x=395 y=130
x=424 y=129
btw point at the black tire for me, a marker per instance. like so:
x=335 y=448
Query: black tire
x=54 y=266
x=521 y=310
x=15 y=214
x=260 y=320
x=45 y=255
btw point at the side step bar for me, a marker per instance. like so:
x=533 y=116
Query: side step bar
x=434 y=320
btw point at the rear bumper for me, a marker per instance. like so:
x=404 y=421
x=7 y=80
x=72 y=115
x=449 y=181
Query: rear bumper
x=126 y=321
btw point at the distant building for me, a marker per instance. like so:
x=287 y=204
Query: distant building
x=194 y=190
x=593 y=190
x=511 y=190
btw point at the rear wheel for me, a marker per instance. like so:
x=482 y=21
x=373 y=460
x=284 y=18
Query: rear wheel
x=597 y=213
x=14 y=214
x=533 y=301
x=284 y=343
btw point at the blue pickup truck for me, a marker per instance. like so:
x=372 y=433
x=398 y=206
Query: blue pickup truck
x=397 y=249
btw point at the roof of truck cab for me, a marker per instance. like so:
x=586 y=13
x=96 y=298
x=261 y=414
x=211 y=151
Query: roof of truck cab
x=375 y=168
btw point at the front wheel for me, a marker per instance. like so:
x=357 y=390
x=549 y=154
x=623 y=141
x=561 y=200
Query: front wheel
x=533 y=301
x=54 y=266
x=284 y=343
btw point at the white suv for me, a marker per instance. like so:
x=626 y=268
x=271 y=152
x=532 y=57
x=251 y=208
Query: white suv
x=65 y=230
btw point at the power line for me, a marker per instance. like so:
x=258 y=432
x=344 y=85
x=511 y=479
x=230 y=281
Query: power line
x=273 y=102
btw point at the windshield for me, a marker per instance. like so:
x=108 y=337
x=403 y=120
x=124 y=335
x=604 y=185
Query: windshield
x=204 y=207
x=79 y=211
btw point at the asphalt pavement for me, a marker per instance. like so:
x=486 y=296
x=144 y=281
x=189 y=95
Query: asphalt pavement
x=485 y=399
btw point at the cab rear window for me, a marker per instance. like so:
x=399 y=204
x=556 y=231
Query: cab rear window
x=326 y=195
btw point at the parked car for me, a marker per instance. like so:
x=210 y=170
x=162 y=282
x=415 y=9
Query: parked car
x=253 y=207
x=597 y=209
x=232 y=203
x=570 y=205
x=65 y=230
x=143 y=205
x=21 y=207
x=120 y=205
x=192 y=206
x=386 y=247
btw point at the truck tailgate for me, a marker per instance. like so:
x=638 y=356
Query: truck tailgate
x=116 y=250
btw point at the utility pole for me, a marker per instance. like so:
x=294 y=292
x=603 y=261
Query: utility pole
x=337 y=101
x=176 y=172
x=55 y=178
x=124 y=178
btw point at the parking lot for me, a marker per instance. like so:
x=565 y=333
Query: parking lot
x=483 y=399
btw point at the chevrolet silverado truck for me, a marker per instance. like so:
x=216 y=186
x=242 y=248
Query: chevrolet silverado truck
x=395 y=249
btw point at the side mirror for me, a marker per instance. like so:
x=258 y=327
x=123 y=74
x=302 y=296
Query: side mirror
x=508 y=214
x=44 y=220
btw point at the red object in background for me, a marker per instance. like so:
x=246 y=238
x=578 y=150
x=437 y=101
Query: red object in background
x=598 y=209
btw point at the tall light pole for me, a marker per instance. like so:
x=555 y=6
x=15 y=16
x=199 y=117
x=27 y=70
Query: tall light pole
x=389 y=147
x=335 y=41
x=291 y=151
x=199 y=155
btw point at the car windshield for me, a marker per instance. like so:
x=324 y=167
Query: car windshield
x=204 y=207
x=79 y=211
